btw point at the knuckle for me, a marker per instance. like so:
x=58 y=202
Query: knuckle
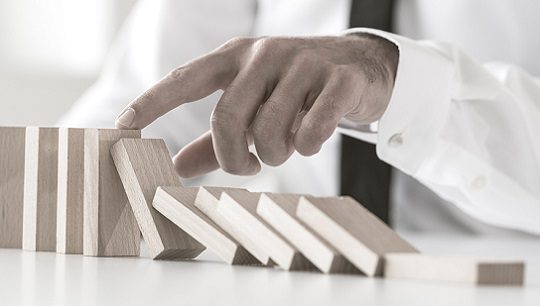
x=304 y=60
x=326 y=128
x=307 y=63
x=270 y=140
x=332 y=109
x=178 y=73
x=268 y=120
x=222 y=119
x=344 y=74
x=326 y=131
x=236 y=42
x=314 y=134
x=265 y=46
x=271 y=109
x=268 y=128
x=302 y=65
x=260 y=130
x=266 y=42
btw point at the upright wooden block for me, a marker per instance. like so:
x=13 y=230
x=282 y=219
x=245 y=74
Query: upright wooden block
x=143 y=165
x=355 y=232
x=454 y=269
x=279 y=210
x=239 y=208
x=109 y=227
x=69 y=214
x=12 y=140
x=40 y=189
x=207 y=201
x=178 y=205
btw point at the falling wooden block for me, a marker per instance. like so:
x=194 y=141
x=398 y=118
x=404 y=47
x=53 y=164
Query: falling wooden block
x=454 y=269
x=207 y=201
x=109 y=227
x=12 y=140
x=40 y=189
x=239 y=208
x=178 y=205
x=354 y=231
x=143 y=165
x=279 y=210
x=69 y=214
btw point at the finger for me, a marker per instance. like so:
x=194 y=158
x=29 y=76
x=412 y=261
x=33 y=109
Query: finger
x=338 y=97
x=274 y=124
x=231 y=120
x=197 y=158
x=188 y=83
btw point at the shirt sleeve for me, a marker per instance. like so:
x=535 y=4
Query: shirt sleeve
x=467 y=130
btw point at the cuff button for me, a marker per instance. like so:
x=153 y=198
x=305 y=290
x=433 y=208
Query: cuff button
x=396 y=140
x=479 y=182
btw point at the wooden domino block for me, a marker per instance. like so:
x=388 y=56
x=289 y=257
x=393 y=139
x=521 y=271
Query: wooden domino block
x=178 y=205
x=354 y=231
x=109 y=227
x=279 y=210
x=239 y=208
x=454 y=269
x=69 y=214
x=40 y=189
x=207 y=201
x=143 y=165
x=12 y=140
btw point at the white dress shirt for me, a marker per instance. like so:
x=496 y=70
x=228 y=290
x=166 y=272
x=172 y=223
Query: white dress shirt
x=463 y=123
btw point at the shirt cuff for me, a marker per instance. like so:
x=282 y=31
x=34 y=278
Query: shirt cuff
x=409 y=128
x=365 y=132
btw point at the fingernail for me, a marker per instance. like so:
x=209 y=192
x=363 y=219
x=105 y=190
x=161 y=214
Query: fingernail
x=126 y=119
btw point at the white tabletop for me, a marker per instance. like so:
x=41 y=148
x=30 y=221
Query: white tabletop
x=52 y=279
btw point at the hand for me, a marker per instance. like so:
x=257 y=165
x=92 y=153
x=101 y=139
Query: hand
x=281 y=94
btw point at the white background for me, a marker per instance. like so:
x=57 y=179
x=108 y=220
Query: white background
x=50 y=52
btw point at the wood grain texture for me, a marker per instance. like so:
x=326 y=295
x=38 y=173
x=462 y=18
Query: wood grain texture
x=178 y=205
x=69 y=214
x=354 y=231
x=454 y=269
x=207 y=201
x=109 y=227
x=12 y=143
x=143 y=165
x=40 y=189
x=239 y=208
x=279 y=210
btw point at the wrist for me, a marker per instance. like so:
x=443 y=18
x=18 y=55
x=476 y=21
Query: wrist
x=378 y=58
x=381 y=51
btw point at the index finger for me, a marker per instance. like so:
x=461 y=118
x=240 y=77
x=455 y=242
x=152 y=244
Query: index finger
x=188 y=83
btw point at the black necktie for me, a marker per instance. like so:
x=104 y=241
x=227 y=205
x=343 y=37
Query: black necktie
x=363 y=175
